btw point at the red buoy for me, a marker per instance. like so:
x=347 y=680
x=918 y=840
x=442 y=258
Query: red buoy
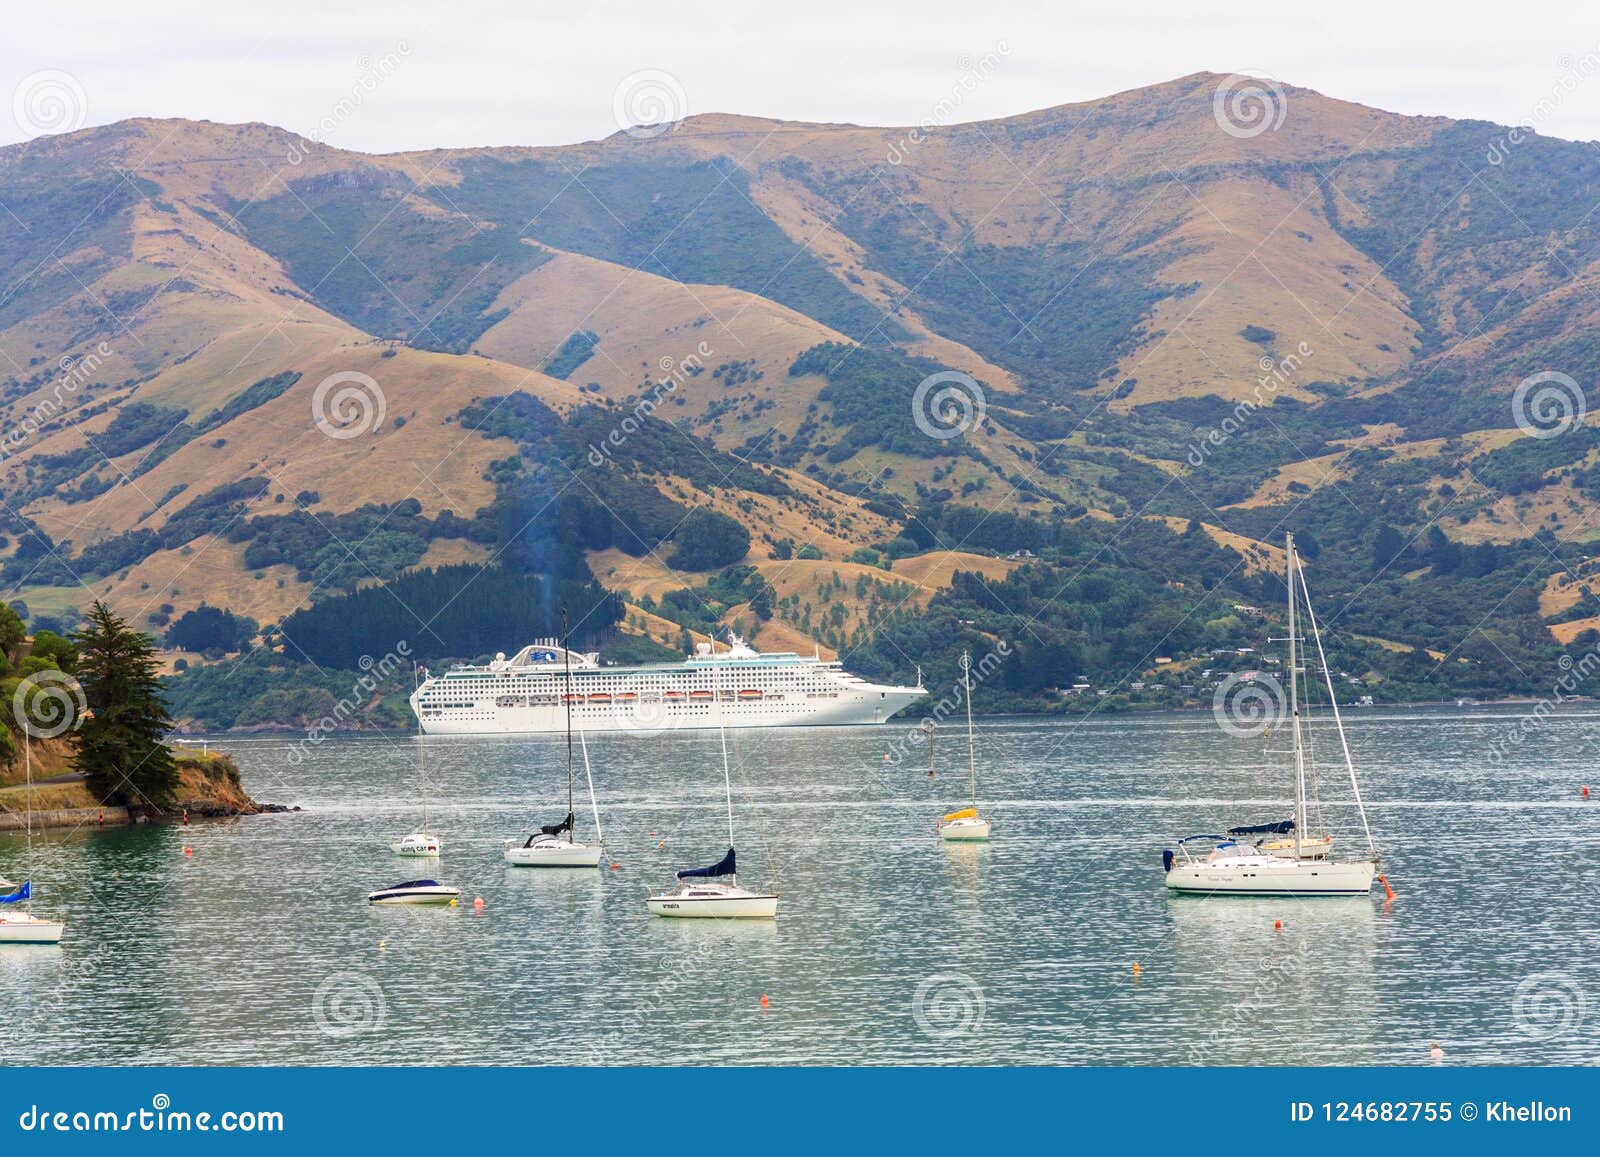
x=1388 y=892
x=1278 y=924
x=763 y=1000
x=188 y=851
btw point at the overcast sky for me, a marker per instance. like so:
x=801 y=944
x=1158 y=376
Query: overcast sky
x=404 y=74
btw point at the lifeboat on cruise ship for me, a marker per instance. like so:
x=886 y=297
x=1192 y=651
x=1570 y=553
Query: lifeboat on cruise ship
x=626 y=696
x=600 y=697
x=701 y=696
x=674 y=696
x=749 y=693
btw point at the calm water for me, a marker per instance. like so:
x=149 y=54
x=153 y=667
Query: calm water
x=890 y=947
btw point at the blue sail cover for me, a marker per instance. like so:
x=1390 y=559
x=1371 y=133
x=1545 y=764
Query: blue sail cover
x=724 y=867
x=23 y=893
x=1281 y=828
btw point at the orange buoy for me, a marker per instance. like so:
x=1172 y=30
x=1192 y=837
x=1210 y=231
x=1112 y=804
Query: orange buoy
x=188 y=851
x=615 y=865
x=1136 y=968
x=1388 y=892
x=1586 y=791
x=1278 y=924
x=763 y=1000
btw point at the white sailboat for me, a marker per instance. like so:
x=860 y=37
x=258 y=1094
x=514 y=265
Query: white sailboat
x=714 y=892
x=1222 y=865
x=419 y=844
x=18 y=924
x=553 y=845
x=965 y=824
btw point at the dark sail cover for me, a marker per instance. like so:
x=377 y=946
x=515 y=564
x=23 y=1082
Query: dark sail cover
x=556 y=829
x=1281 y=828
x=722 y=868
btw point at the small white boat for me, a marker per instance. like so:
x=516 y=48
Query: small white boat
x=417 y=844
x=701 y=892
x=416 y=892
x=1287 y=860
x=1225 y=867
x=965 y=825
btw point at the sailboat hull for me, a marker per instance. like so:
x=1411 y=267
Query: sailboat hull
x=715 y=902
x=967 y=831
x=1271 y=876
x=553 y=854
x=22 y=928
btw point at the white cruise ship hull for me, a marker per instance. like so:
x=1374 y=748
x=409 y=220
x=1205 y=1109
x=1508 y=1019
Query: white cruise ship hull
x=488 y=719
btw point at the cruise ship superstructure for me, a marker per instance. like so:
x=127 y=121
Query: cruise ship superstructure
x=524 y=693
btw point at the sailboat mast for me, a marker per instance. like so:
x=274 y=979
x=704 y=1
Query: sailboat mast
x=972 y=759
x=566 y=658
x=1333 y=700
x=722 y=733
x=1294 y=701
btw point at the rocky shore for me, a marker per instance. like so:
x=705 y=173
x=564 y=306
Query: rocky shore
x=209 y=788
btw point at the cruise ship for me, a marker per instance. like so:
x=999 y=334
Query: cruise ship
x=526 y=693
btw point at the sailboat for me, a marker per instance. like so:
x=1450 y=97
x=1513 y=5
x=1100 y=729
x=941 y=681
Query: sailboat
x=553 y=845
x=702 y=892
x=419 y=843
x=1222 y=865
x=18 y=925
x=965 y=823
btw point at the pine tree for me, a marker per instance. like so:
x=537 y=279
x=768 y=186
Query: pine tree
x=121 y=748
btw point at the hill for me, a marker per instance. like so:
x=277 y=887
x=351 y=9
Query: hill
x=1104 y=354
